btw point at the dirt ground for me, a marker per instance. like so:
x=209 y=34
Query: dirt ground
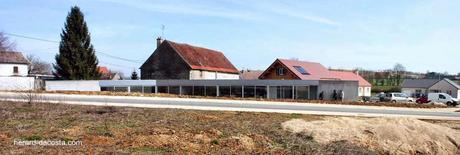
x=162 y=131
x=385 y=135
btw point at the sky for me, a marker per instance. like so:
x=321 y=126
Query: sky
x=423 y=35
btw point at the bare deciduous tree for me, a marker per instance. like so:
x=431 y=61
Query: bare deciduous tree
x=5 y=43
x=38 y=66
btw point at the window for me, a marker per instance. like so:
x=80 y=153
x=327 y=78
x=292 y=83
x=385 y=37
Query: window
x=15 y=70
x=301 y=70
x=449 y=92
x=280 y=71
x=441 y=96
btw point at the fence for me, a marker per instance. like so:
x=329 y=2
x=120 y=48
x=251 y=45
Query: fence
x=17 y=83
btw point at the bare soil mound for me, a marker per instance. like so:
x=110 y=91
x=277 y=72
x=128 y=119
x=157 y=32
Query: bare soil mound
x=385 y=135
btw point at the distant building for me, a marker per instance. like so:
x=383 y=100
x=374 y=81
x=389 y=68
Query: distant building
x=173 y=60
x=283 y=69
x=417 y=87
x=250 y=74
x=13 y=64
x=106 y=74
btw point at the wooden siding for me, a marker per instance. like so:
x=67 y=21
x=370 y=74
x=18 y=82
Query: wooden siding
x=271 y=73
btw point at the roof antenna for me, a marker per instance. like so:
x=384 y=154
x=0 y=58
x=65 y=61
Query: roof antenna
x=162 y=31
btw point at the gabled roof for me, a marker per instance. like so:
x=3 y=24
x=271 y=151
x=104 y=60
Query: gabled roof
x=12 y=57
x=315 y=71
x=453 y=83
x=344 y=75
x=419 y=83
x=200 y=58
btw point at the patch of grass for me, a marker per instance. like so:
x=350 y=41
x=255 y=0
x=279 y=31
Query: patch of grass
x=32 y=137
x=147 y=149
x=378 y=89
x=294 y=115
x=215 y=142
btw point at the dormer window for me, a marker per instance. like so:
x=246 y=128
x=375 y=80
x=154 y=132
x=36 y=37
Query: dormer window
x=15 y=70
x=301 y=70
x=280 y=71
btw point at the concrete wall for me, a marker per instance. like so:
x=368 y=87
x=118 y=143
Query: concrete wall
x=445 y=87
x=350 y=89
x=7 y=69
x=208 y=75
x=17 y=83
x=73 y=85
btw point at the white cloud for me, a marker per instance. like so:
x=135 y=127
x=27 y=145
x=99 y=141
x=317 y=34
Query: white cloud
x=255 y=10
x=187 y=8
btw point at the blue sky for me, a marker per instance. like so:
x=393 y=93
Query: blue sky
x=420 y=34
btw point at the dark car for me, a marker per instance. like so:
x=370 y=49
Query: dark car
x=422 y=99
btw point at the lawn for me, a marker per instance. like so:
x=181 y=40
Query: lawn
x=167 y=131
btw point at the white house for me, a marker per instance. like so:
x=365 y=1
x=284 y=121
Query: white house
x=13 y=64
x=14 y=72
x=416 y=87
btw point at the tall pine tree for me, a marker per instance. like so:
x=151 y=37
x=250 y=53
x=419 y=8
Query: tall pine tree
x=76 y=59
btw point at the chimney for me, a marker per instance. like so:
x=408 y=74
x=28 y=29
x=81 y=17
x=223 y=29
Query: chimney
x=159 y=41
x=356 y=72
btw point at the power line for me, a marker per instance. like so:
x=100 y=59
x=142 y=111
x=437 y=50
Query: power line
x=53 y=41
x=33 y=38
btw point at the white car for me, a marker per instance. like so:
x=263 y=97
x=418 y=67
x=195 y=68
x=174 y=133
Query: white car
x=442 y=98
x=398 y=97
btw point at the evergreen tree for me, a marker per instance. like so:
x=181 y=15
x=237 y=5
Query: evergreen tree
x=134 y=75
x=76 y=59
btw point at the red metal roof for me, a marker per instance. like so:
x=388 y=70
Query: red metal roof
x=344 y=75
x=203 y=59
x=316 y=71
x=12 y=57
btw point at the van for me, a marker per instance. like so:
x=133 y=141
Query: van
x=442 y=98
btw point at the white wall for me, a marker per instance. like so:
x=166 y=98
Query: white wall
x=17 y=83
x=7 y=69
x=458 y=94
x=208 y=75
x=364 y=91
x=73 y=85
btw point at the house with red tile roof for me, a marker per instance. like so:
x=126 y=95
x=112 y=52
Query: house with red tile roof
x=173 y=60
x=106 y=74
x=13 y=64
x=284 y=69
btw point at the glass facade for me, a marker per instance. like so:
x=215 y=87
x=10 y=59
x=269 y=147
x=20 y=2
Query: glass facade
x=238 y=91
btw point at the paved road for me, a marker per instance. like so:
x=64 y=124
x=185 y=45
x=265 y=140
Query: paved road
x=235 y=105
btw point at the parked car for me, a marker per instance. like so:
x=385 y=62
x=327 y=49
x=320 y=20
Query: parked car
x=398 y=97
x=378 y=98
x=443 y=98
x=422 y=99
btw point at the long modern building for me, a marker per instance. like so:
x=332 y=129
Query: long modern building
x=273 y=89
